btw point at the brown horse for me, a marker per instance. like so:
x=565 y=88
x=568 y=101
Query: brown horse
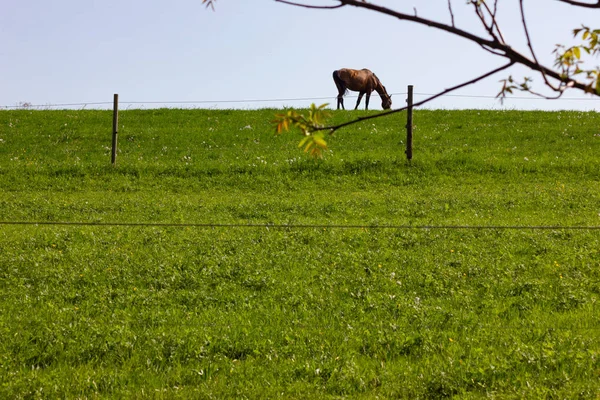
x=362 y=81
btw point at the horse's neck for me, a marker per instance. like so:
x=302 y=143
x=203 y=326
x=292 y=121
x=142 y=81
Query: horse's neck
x=377 y=86
x=380 y=89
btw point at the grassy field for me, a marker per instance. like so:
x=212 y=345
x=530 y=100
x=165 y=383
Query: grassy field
x=315 y=309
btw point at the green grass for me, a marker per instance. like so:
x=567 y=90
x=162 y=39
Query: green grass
x=299 y=312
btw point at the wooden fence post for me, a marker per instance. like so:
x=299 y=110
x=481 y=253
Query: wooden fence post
x=409 y=124
x=115 y=129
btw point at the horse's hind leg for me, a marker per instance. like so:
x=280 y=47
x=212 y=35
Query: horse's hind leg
x=341 y=87
x=360 y=95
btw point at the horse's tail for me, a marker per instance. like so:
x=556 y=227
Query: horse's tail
x=339 y=82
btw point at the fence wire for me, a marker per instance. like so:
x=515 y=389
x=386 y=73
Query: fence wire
x=300 y=226
x=286 y=226
x=274 y=100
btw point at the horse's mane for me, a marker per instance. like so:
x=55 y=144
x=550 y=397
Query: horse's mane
x=378 y=83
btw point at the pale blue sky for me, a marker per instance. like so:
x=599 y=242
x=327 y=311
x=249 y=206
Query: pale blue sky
x=83 y=51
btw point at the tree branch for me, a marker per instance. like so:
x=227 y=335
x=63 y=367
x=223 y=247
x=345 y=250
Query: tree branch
x=334 y=128
x=531 y=46
x=309 y=6
x=423 y=21
x=501 y=49
x=558 y=96
x=489 y=28
x=495 y=44
x=581 y=4
x=451 y=12
x=494 y=21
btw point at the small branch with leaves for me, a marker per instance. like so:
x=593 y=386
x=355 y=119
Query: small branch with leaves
x=310 y=126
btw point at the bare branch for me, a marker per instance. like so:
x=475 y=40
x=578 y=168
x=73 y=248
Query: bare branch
x=492 y=27
x=334 y=128
x=451 y=12
x=495 y=46
x=495 y=8
x=494 y=21
x=477 y=5
x=581 y=3
x=309 y=6
x=531 y=46
x=423 y=21
x=209 y=3
x=558 y=96
x=493 y=51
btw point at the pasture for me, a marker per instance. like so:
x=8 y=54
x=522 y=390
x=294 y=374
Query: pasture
x=353 y=300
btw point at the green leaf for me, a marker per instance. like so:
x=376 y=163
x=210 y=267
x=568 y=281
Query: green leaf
x=309 y=144
x=320 y=142
x=304 y=141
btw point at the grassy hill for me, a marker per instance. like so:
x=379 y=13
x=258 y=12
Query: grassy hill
x=343 y=294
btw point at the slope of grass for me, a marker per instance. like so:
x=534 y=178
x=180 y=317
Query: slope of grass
x=178 y=312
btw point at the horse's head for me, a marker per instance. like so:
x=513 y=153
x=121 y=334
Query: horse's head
x=386 y=102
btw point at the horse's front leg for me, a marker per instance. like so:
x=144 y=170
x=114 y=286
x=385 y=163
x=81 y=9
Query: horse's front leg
x=367 y=101
x=360 y=95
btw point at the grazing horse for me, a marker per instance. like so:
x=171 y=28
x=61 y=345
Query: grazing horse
x=362 y=81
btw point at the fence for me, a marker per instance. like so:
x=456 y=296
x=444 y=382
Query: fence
x=409 y=126
x=409 y=108
x=304 y=226
x=133 y=104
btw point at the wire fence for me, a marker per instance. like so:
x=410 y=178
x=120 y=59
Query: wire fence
x=284 y=226
x=304 y=226
x=26 y=105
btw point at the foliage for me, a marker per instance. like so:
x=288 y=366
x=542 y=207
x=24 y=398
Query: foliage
x=310 y=126
x=337 y=294
x=570 y=60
